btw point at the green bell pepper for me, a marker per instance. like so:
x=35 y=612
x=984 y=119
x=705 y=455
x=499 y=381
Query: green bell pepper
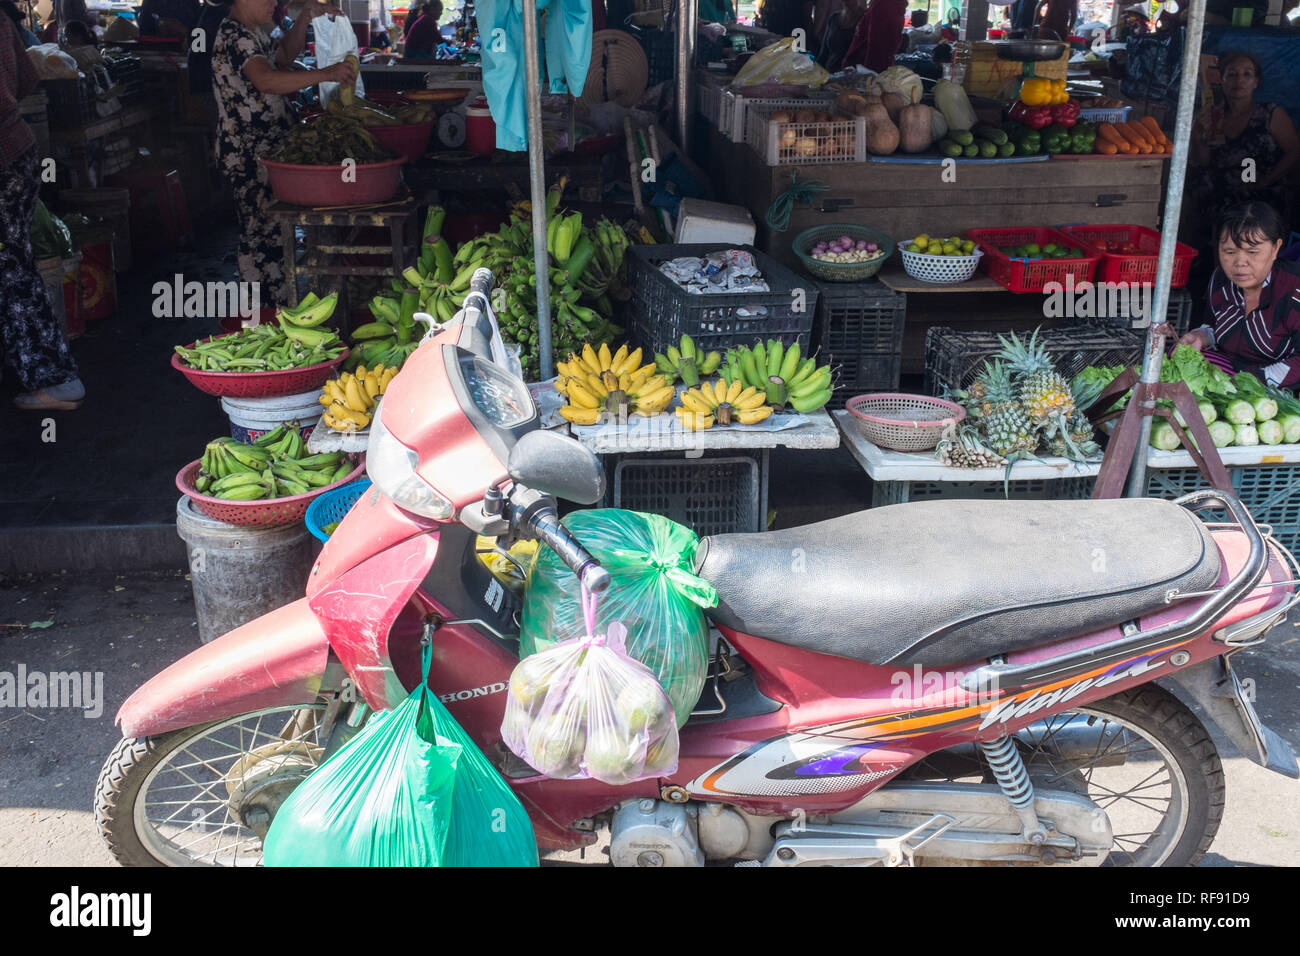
x=1056 y=139
x=1027 y=141
x=1083 y=136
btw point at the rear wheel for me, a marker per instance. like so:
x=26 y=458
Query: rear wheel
x=1150 y=764
x=205 y=795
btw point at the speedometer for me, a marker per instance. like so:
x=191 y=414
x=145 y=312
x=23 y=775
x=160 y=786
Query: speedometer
x=500 y=396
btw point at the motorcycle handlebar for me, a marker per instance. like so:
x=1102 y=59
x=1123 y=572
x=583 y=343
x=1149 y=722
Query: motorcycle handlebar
x=545 y=524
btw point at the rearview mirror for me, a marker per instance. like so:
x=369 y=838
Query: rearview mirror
x=555 y=464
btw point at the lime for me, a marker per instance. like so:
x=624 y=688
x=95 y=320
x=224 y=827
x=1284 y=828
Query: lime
x=968 y=246
x=921 y=241
x=1076 y=253
x=1031 y=249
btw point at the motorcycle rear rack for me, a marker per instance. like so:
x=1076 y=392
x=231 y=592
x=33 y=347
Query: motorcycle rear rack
x=998 y=672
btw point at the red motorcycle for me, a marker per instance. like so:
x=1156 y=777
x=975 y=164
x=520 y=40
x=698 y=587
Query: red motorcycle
x=954 y=682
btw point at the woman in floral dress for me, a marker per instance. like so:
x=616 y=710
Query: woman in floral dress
x=252 y=79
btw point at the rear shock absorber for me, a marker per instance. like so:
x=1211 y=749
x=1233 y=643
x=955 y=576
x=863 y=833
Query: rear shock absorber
x=1013 y=778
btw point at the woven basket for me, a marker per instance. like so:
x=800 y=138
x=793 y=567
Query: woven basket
x=941 y=270
x=841 y=271
x=903 y=422
x=261 y=513
x=333 y=506
x=289 y=381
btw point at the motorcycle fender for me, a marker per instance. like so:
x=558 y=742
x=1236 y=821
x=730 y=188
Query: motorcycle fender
x=1213 y=684
x=279 y=659
x=357 y=611
x=373 y=525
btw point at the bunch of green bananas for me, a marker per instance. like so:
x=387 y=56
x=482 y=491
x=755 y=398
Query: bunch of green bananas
x=785 y=374
x=586 y=274
x=274 y=465
x=687 y=363
x=429 y=287
x=268 y=347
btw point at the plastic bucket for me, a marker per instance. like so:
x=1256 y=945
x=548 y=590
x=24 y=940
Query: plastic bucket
x=111 y=204
x=52 y=275
x=97 y=280
x=74 y=322
x=301 y=185
x=480 y=128
x=252 y=418
x=237 y=573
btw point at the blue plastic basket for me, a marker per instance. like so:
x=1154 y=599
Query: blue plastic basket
x=333 y=506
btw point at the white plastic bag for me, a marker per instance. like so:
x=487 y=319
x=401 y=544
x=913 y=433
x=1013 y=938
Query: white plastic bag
x=335 y=39
x=585 y=708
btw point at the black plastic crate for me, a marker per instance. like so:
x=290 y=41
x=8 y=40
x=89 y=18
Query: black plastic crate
x=660 y=48
x=953 y=357
x=71 y=102
x=1178 y=314
x=710 y=495
x=859 y=331
x=660 y=311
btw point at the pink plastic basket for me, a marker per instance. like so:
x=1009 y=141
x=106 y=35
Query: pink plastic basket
x=903 y=422
x=257 y=514
x=290 y=381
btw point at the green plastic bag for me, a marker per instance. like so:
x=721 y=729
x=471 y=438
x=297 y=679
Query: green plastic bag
x=653 y=592
x=489 y=826
x=384 y=799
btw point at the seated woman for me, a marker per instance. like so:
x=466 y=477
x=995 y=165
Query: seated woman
x=1223 y=139
x=1254 y=304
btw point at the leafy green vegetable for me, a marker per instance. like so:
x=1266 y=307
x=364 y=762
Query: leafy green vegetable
x=1205 y=379
x=1270 y=432
x=1239 y=412
x=1246 y=435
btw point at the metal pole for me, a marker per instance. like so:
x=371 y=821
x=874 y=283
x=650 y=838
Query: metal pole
x=537 y=186
x=1155 y=351
x=688 y=13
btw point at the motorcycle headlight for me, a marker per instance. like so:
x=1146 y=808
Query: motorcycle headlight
x=391 y=466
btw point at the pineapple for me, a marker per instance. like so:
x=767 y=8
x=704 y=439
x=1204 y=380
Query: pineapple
x=1044 y=394
x=994 y=389
x=1009 y=432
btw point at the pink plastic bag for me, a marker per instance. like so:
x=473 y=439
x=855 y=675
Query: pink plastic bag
x=585 y=708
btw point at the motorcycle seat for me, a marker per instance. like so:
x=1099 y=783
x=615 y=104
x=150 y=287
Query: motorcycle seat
x=949 y=582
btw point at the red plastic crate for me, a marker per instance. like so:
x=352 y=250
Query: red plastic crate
x=1019 y=275
x=1118 y=267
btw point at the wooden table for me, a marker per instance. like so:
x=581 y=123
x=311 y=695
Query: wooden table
x=893 y=276
x=903 y=199
x=331 y=236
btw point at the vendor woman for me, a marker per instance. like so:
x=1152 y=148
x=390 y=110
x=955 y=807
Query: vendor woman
x=252 y=78
x=1254 y=304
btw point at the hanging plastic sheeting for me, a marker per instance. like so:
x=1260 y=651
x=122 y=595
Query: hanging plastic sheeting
x=489 y=826
x=567 y=57
x=384 y=799
x=654 y=592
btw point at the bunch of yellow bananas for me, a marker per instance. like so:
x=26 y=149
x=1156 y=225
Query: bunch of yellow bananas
x=724 y=404
x=597 y=381
x=350 y=399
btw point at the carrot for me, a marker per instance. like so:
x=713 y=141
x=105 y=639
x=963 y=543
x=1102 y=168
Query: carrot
x=1105 y=147
x=1108 y=132
x=1137 y=134
x=1154 y=128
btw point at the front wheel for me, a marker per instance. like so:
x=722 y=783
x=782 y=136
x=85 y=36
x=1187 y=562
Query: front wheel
x=205 y=795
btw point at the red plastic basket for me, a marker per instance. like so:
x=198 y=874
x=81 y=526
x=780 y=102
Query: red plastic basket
x=290 y=381
x=1019 y=275
x=302 y=185
x=257 y=514
x=1126 y=267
